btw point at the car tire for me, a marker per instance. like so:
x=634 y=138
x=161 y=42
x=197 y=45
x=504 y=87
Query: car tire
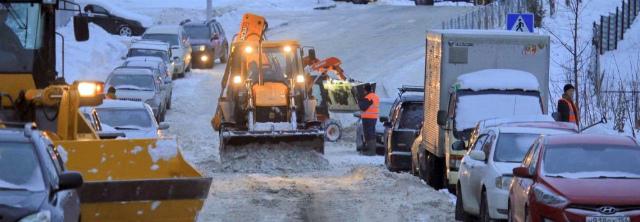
x=332 y=130
x=125 y=30
x=424 y=2
x=461 y=215
x=484 y=208
x=223 y=57
x=422 y=165
x=387 y=161
x=169 y=102
x=434 y=173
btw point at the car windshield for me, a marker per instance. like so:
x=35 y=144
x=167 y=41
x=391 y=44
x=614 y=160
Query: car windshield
x=132 y=82
x=125 y=119
x=592 y=161
x=172 y=39
x=385 y=108
x=21 y=27
x=475 y=107
x=198 y=32
x=276 y=66
x=148 y=52
x=21 y=169
x=512 y=147
x=411 y=116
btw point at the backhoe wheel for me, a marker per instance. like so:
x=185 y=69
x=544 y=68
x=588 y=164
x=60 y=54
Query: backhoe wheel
x=332 y=131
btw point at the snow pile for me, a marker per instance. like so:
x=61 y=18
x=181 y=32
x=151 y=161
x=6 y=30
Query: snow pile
x=624 y=62
x=93 y=59
x=272 y=159
x=119 y=11
x=166 y=149
x=473 y=108
x=509 y=79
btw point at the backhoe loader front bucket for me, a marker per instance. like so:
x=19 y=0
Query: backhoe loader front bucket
x=135 y=180
x=312 y=139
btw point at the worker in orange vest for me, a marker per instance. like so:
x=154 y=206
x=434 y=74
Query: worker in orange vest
x=370 y=109
x=566 y=107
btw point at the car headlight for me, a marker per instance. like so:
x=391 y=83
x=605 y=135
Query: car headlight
x=151 y=102
x=204 y=58
x=42 y=216
x=548 y=197
x=202 y=48
x=503 y=182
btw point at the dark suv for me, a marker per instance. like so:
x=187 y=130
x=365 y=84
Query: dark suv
x=34 y=185
x=208 y=42
x=402 y=127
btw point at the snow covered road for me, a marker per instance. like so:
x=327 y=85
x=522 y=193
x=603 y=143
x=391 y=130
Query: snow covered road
x=376 y=43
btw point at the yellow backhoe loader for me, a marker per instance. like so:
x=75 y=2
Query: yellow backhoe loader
x=125 y=179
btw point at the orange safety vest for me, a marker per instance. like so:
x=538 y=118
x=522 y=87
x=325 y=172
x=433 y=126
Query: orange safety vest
x=372 y=112
x=572 y=112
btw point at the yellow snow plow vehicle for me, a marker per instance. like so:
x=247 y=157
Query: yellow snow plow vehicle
x=125 y=179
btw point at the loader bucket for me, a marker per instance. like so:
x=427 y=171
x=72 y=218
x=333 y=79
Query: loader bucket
x=135 y=180
x=304 y=139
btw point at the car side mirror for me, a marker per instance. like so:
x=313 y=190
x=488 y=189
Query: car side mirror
x=357 y=114
x=70 y=180
x=522 y=172
x=442 y=117
x=458 y=146
x=384 y=119
x=81 y=28
x=477 y=155
x=163 y=126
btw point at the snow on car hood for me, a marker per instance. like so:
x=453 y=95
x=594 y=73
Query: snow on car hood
x=124 y=94
x=505 y=167
x=20 y=199
x=120 y=12
x=140 y=134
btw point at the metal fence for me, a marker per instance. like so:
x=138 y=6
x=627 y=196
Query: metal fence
x=610 y=29
x=491 y=16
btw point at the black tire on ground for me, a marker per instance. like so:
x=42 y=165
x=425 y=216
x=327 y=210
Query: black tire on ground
x=387 y=161
x=461 y=215
x=125 y=30
x=424 y=2
x=332 y=130
x=188 y=69
x=181 y=75
x=422 y=165
x=484 y=208
x=434 y=175
x=223 y=58
x=170 y=99
x=161 y=117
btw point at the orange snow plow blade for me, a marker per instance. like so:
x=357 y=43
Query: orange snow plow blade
x=135 y=180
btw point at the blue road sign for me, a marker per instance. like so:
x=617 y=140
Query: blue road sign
x=520 y=22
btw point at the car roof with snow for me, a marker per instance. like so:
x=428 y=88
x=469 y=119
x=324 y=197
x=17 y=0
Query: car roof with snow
x=153 y=45
x=151 y=63
x=163 y=29
x=144 y=59
x=121 y=104
x=591 y=139
x=526 y=118
x=486 y=80
x=530 y=130
x=14 y=134
x=133 y=71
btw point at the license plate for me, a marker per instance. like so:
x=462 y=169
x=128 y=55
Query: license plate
x=608 y=219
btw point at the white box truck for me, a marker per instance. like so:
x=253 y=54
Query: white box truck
x=472 y=75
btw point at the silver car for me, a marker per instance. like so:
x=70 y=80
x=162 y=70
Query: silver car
x=141 y=85
x=131 y=119
x=159 y=69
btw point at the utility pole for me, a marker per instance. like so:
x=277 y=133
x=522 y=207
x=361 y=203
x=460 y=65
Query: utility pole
x=209 y=9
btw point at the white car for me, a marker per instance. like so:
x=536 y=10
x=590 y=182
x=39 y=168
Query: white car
x=134 y=119
x=140 y=85
x=180 y=45
x=486 y=170
x=146 y=49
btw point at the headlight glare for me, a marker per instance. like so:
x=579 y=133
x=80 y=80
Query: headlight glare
x=300 y=78
x=204 y=58
x=237 y=79
x=202 y=48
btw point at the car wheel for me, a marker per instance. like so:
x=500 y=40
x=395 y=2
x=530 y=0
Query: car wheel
x=460 y=213
x=125 y=31
x=332 y=131
x=387 y=160
x=225 y=53
x=424 y=2
x=434 y=176
x=422 y=164
x=169 y=102
x=484 y=208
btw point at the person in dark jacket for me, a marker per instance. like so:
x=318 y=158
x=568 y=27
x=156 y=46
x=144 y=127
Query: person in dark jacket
x=566 y=107
x=369 y=105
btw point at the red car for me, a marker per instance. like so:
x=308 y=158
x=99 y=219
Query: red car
x=578 y=177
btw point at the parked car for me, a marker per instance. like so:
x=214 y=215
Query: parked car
x=159 y=69
x=485 y=173
x=208 y=43
x=144 y=49
x=577 y=177
x=180 y=45
x=385 y=108
x=134 y=119
x=402 y=127
x=116 y=20
x=34 y=184
x=141 y=85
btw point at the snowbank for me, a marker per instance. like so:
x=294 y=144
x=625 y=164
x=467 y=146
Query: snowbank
x=509 y=79
x=93 y=59
x=624 y=62
x=119 y=11
x=166 y=149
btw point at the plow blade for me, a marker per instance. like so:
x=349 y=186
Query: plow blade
x=307 y=139
x=135 y=180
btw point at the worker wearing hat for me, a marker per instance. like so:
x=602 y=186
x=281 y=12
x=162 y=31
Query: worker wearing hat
x=566 y=107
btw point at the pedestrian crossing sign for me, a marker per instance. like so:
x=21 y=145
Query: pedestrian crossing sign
x=520 y=22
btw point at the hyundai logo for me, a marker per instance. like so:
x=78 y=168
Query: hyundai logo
x=608 y=210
